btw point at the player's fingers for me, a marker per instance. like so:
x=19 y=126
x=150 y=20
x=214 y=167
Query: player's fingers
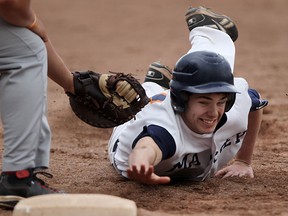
x=224 y=173
x=155 y=179
x=232 y=173
x=146 y=176
x=134 y=168
x=249 y=175
x=142 y=170
x=133 y=171
x=221 y=172
x=242 y=175
x=164 y=180
x=130 y=171
x=134 y=174
x=150 y=171
x=227 y=175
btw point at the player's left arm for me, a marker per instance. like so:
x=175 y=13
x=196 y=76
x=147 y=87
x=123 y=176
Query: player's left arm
x=242 y=164
x=245 y=153
x=57 y=69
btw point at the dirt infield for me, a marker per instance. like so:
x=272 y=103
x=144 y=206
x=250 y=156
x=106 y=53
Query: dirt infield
x=127 y=36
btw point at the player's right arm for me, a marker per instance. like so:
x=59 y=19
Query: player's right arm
x=144 y=156
x=17 y=12
x=20 y=13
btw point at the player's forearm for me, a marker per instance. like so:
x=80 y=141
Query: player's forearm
x=245 y=153
x=145 y=152
x=57 y=70
x=17 y=12
x=140 y=157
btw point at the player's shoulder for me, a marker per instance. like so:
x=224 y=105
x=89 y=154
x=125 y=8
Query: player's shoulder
x=239 y=80
x=241 y=84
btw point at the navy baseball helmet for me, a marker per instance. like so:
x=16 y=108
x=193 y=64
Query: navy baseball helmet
x=201 y=72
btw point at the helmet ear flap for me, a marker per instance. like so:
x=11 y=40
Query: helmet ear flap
x=179 y=102
x=231 y=99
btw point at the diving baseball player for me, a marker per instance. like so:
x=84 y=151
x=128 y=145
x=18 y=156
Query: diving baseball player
x=206 y=119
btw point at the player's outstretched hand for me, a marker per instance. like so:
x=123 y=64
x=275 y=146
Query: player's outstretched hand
x=236 y=169
x=146 y=175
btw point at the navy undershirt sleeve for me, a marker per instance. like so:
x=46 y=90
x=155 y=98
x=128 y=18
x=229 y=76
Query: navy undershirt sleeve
x=257 y=103
x=161 y=137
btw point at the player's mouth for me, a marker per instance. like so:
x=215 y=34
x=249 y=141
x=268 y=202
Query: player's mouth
x=209 y=123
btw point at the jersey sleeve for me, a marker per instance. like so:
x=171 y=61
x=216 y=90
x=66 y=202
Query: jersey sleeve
x=257 y=102
x=161 y=137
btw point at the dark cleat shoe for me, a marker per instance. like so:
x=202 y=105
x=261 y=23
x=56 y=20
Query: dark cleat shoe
x=202 y=16
x=18 y=185
x=159 y=74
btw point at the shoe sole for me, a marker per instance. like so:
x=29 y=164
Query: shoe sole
x=162 y=69
x=225 y=24
x=9 y=202
x=164 y=77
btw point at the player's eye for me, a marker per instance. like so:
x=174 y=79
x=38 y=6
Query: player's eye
x=204 y=102
x=222 y=102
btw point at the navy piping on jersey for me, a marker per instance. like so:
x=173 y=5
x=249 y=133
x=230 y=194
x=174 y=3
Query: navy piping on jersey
x=161 y=137
x=221 y=122
x=115 y=146
x=158 y=97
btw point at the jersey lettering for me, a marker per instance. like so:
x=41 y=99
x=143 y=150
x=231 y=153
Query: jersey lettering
x=228 y=142
x=238 y=136
x=188 y=161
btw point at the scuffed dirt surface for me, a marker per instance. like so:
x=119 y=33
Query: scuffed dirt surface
x=127 y=36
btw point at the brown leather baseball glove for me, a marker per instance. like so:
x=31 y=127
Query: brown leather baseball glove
x=106 y=100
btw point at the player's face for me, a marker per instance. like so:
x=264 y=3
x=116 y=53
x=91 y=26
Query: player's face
x=204 y=111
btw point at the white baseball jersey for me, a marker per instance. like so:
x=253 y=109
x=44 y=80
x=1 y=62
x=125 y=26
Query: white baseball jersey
x=196 y=156
x=185 y=153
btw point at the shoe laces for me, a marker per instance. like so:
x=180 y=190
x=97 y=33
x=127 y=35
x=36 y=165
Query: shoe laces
x=41 y=182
